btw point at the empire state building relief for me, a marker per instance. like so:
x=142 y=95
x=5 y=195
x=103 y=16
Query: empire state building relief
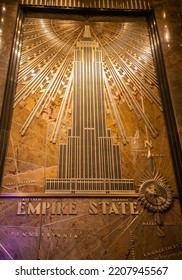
x=87 y=114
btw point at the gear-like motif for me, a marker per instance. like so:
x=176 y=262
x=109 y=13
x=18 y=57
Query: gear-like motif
x=155 y=194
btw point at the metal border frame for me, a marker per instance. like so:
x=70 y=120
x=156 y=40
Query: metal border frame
x=173 y=136
x=10 y=87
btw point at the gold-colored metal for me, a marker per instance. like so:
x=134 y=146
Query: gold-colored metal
x=128 y=67
x=104 y=4
x=44 y=109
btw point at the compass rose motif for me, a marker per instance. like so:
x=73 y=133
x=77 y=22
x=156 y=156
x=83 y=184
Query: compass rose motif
x=155 y=193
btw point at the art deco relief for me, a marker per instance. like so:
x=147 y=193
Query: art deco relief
x=87 y=112
x=87 y=228
x=88 y=155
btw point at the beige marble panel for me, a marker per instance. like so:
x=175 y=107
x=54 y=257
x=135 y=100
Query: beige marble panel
x=169 y=24
x=8 y=12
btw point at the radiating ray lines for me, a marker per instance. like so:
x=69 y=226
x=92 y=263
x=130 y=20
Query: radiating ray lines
x=47 y=61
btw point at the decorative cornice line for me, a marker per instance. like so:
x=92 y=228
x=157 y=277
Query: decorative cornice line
x=102 y=4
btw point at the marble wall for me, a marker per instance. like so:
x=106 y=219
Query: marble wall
x=169 y=22
x=8 y=13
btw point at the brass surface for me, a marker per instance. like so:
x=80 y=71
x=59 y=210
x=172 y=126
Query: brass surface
x=43 y=105
x=87 y=228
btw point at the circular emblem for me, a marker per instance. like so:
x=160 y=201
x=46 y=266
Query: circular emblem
x=155 y=195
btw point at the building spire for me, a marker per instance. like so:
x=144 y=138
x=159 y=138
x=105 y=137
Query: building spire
x=87 y=33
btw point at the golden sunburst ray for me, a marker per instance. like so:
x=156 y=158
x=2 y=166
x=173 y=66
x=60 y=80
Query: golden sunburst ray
x=46 y=65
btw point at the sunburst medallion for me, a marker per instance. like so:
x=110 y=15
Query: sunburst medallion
x=155 y=193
